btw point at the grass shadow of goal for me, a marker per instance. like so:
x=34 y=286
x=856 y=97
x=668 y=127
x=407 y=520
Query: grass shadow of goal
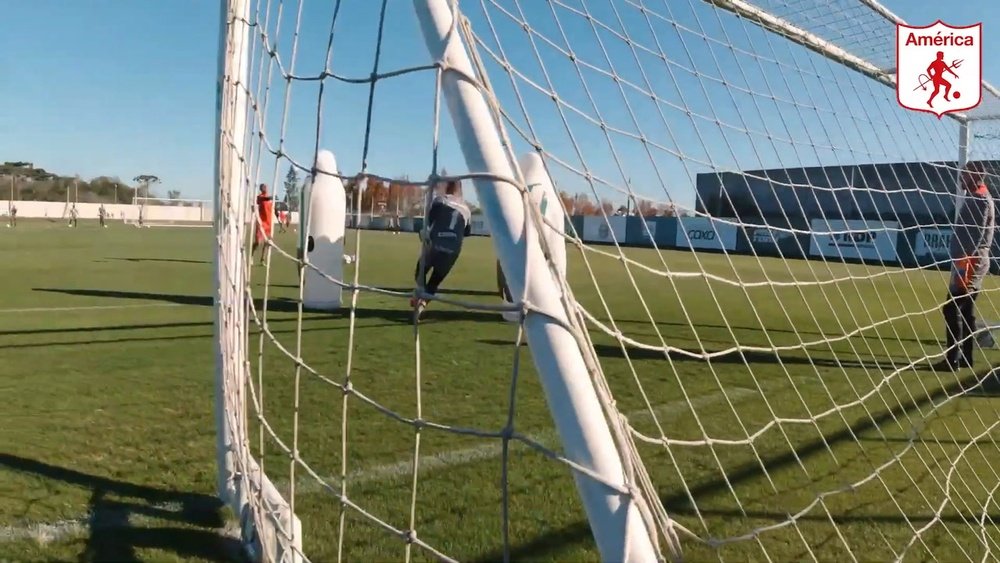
x=752 y=357
x=551 y=543
x=187 y=524
x=280 y=304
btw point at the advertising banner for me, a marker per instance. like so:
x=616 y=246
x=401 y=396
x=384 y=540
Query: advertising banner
x=649 y=236
x=854 y=240
x=933 y=243
x=705 y=233
x=763 y=237
x=595 y=229
x=479 y=225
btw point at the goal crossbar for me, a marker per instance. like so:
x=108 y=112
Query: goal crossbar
x=801 y=34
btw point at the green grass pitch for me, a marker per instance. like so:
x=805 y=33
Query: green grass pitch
x=107 y=431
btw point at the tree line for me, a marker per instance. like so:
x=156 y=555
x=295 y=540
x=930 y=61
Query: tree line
x=407 y=199
x=23 y=181
x=400 y=196
x=103 y=189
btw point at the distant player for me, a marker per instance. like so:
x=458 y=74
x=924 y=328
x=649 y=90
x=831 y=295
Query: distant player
x=448 y=223
x=102 y=215
x=970 y=257
x=265 y=216
x=282 y=220
x=394 y=222
x=936 y=72
x=73 y=214
x=13 y=216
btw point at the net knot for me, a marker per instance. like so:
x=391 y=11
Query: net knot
x=632 y=490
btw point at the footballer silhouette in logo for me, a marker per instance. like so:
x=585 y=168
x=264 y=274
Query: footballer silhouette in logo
x=935 y=72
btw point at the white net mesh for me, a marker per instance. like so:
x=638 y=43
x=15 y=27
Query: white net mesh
x=768 y=332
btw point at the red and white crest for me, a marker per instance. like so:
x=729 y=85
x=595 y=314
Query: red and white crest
x=939 y=67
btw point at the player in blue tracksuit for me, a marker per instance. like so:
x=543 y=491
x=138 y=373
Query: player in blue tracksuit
x=970 y=262
x=448 y=223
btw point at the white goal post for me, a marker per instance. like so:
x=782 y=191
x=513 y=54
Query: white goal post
x=620 y=526
x=694 y=363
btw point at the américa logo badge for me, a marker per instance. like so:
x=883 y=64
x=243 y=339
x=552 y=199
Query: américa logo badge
x=939 y=67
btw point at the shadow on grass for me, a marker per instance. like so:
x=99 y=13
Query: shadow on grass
x=106 y=328
x=392 y=318
x=479 y=292
x=771 y=330
x=280 y=305
x=549 y=544
x=745 y=357
x=169 y=260
x=750 y=357
x=990 y=389
x=193 y=300
x=284 y=305
x=196 y=518
x=409 y=290
x=202 y=336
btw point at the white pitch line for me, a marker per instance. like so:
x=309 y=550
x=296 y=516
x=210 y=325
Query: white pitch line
x=63 y=529
x=48 y=532
x=492 y=449
x=45 y=532
x=88 y=308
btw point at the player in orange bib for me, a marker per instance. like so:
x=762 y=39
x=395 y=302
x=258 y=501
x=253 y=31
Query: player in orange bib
x=282 y=220
x=265 y=221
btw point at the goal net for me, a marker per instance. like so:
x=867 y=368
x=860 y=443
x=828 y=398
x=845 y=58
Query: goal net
x=742 y=356
x=157 y=212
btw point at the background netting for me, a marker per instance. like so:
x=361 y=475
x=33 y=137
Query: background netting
x=780 y=396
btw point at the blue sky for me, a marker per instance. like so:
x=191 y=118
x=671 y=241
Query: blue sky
x=125 y=87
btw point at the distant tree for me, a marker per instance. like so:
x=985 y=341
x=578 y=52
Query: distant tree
x=374 y=196
x=439 y=187
x=376 y=192
x=37 y=184
x=292 y=188
x=412 y=200
x=394 y=199
x=607 y=207
x=646 y=208
x=173 y=194
x=568 y=202
x=583 y=206
x=352 y=189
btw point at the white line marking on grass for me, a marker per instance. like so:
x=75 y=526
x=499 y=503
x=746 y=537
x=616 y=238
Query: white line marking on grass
x=89 y=308
x=44 y=533
x=48 y=532
x=64 y=529
x=492 y=449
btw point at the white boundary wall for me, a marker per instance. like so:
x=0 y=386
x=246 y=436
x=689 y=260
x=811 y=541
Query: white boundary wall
x=119 y=211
